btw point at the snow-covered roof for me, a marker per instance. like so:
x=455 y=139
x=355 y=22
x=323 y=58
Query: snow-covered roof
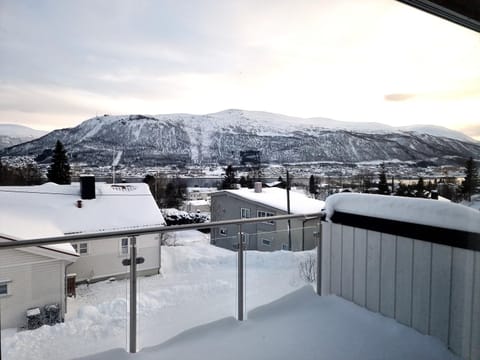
x=51 y=209
x=277 y=198
x=412 y=210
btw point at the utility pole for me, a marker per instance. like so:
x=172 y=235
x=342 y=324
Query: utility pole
x=133 y=295
x=240 y=274
x=288 y=211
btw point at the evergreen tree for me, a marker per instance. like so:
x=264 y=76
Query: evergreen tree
x=167 y=192
x=283 y=183
x=59 y=170
x=312 y=185
x=382 y=183
x=420 y=187
x=471 y=181
x=243 y=181
x=229 y=180
x=402 y=190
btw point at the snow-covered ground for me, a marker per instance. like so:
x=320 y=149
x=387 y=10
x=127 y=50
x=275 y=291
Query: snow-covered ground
x=187 y=312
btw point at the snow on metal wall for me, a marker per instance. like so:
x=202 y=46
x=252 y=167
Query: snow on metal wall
x=432 y=288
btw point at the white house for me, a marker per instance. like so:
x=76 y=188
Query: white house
x=34 y=277
x=90 y=207
x=268 y=235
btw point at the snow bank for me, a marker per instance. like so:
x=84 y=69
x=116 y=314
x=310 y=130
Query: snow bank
x=300 y=325
x=412 y=210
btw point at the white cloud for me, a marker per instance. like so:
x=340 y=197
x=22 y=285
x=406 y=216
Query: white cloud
x=344 y=59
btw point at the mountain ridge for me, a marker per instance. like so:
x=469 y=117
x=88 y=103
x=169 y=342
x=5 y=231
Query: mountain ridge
x=150 y=140
x=13 y=134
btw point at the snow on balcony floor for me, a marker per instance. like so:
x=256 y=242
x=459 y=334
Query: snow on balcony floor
x=300 y=325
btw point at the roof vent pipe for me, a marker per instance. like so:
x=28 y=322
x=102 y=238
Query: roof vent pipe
x=258 y=187
x=87 y=187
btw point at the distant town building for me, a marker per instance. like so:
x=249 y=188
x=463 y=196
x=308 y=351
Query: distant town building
x=264 y=202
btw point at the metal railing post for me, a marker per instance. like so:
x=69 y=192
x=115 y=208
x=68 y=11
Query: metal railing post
x=240 y=274
x=319 y=256
x=133 y=295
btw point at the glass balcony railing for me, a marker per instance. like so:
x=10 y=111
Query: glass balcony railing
x=184 y=283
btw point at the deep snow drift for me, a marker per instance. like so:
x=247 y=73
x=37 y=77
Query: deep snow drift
x=198 y=288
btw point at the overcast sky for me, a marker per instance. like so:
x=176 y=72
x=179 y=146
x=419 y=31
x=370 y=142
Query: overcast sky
x=64 y=61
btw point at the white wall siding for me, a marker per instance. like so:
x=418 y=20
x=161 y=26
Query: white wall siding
x=347 y=263
x=15 y=257
x=432 y=288
x=421 y=285
x=36 y=284
x=387 y=275
x=104 y=258
x=326 y=258
x=461 y=301
x=404 y=278
x=373 y=270
x=475 y=335
x=360 y=267
x=440 y=291
x=336 y=260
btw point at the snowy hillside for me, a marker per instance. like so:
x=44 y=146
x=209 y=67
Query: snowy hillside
x=220 y=137
x=437 y=131
x=188 y=313
x=11 y=134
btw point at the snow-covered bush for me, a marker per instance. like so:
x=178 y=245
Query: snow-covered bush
x=178 y=217
x=308 y=268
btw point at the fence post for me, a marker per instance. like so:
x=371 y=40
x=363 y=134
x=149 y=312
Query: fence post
x=133 y=295
x=319 y=256
x=240 y=274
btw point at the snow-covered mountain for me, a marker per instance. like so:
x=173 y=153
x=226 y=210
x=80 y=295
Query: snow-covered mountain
x=219 y=138
x=11 y=134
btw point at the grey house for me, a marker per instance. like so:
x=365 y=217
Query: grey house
x=267 y=235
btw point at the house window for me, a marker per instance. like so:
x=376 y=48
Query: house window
x=4 y=288
x=284 y=246
x=266 y=214
x=81 y=248
x=124 y=248
x=244 y=213
x=266 y=242
x=223 y=231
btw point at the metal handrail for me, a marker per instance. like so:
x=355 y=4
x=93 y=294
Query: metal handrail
x=73 y=238
x=133 y=233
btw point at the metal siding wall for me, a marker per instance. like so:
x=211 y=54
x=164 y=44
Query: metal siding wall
x=430 y=287
x=440 y=290
x=336 y=261
x=387 y=276
x=373 y=270
x=404 y=274
x=326 y=258
x=360 y=266
x=475 y=335
x=461 y=305
x=347 y=263
x=421 y=285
